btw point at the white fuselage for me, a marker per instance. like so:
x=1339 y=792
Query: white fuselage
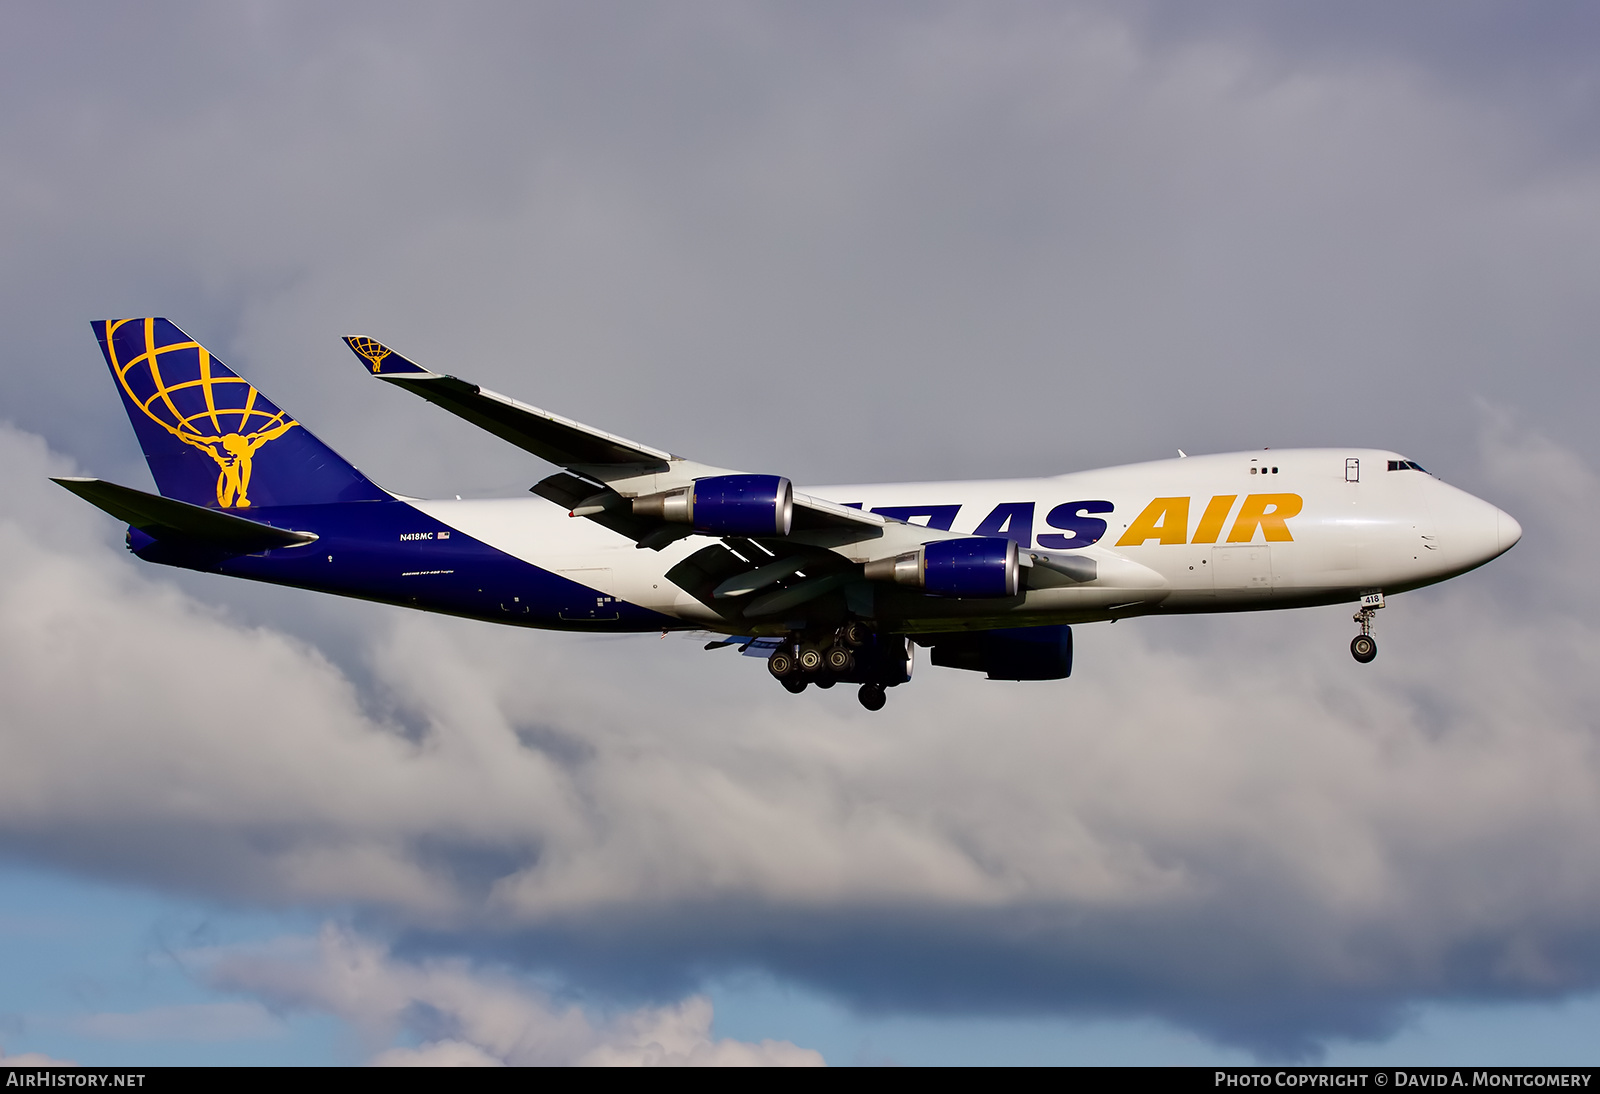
x=1232 y=532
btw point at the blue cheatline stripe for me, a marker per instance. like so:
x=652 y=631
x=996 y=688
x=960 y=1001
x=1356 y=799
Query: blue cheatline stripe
x=391 y=552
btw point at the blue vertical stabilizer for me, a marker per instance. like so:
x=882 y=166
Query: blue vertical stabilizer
x=210 y=438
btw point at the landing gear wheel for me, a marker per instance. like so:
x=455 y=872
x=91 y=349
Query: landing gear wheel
x=810 y=658
x=781 y=663
x=1363 y=647
x=795 y=684
x=824 y=682
x=854 y=634
x=840 y=660
x=872 y=696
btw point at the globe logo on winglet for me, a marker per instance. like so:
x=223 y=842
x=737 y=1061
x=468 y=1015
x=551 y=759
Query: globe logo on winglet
x=219 y=414
x=372 y=350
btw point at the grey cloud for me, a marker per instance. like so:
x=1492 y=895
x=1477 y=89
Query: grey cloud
x=946 y=243
x=1483 y=49
x=1273 y=847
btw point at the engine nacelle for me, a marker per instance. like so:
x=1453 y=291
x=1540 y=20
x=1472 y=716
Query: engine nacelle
x=981 y=567
x=1015 y=653
x=729 y=505
x=984 y=566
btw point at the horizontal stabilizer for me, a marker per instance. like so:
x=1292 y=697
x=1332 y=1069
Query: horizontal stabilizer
x=169 y=519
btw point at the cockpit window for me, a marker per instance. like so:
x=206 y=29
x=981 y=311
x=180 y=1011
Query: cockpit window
x=1406 y=465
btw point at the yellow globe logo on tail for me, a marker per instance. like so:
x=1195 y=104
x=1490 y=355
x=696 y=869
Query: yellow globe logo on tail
x=220 y=414
x=374 y=351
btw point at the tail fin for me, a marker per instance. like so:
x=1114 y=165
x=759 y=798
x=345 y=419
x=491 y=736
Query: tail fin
x=210 y=438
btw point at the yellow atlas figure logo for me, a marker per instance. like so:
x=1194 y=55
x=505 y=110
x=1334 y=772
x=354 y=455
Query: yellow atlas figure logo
x=373 y=351
x=188 y=408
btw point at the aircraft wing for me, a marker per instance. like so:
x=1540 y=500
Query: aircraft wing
x=549 y=436
x=604 y=470
x=788 y=551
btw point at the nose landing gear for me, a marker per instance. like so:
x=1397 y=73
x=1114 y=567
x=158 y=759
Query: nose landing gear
x=1364 y=647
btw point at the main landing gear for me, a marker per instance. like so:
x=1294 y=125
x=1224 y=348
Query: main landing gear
x=1364 y=647
x=828 y=660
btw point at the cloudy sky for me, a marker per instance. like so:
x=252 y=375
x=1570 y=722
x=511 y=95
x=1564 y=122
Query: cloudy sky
x=841 y=242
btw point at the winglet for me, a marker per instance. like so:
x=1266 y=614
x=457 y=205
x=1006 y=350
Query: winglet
x=381 y=360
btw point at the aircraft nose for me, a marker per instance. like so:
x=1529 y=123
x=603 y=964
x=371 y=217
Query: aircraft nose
x=1507 y=529
x=1483 y=531
x=1470 y=531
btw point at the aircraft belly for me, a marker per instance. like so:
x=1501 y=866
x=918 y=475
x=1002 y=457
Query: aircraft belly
x=1089 y=600
x=396 y=553
x=1242 y=571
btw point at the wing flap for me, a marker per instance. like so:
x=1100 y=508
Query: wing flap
x=802 y=592
x=753 y=581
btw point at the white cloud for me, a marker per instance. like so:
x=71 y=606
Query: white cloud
x=437 y=1054
x=474 y=1018
x=1270 y=819
x=32 y=1059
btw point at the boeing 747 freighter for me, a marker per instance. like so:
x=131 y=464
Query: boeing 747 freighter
x=831 y=584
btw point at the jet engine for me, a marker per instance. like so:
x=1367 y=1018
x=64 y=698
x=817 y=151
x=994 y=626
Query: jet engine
x=982 y=566
x=728 y=505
